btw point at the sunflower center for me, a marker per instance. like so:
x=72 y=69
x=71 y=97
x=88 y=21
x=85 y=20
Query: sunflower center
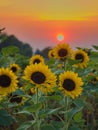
x=62 y=52
x=69 y=85
x=14 y=69
x=15 y=99
x=5 y=81
x=36 y=61
x=79 y=57
x=52 y=54
x=38 y=77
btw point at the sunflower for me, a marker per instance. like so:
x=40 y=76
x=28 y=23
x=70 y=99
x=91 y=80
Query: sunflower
x=15 y=68
x=41 y=76
x=82 y=56
x=70 y=84
x=14 y=98
x=8 y=81
x=36 y=59
x=51 y=53
x=92 y=78
x=62 y=51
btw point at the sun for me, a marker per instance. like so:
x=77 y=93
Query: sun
x=60 y=37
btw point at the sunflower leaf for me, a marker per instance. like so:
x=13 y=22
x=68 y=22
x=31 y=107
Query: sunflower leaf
x=5 y=118
x=26 y=125
x=47 y=127
x=33 y=108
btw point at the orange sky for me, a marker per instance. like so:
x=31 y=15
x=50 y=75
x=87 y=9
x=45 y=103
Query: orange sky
x=39 y=21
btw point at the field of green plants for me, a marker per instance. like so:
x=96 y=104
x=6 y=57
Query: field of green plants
x=57 y=93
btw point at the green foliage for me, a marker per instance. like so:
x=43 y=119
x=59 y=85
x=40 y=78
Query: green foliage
x=5 y=118
x=50 y=111
x=26 y=125
x=10 y=51
x=25 y=49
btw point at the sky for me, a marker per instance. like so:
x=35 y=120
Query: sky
x=38 y=22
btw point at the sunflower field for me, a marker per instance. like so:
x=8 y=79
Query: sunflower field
x=58 y=93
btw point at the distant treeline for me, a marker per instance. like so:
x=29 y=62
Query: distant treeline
x=25 y=48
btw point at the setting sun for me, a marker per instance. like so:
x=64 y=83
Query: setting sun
x=60 y=37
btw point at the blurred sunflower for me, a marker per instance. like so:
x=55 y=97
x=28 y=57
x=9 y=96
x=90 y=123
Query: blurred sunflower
x=82 y=56
x=41 y=76
x=62 y=51
x=8 y=81
x=36 y=59
x=15 y=68
x=92 y=78
x=32 y=91
x=51 y=53
x=14 y=98
x=70 y=84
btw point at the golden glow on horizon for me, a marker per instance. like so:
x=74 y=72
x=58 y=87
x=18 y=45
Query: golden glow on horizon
x=38 y=22
x=50 y=9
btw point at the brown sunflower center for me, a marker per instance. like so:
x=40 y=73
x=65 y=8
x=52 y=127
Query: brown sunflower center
x=69 y=85
x=79 y=57
x=36 y=61
x=14 y=69
x=5 y=81
x=15 y=99
x=62 y=52
x=52 y=54
x=38 y=77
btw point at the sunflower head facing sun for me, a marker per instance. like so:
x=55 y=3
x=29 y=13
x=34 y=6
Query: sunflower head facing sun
x=82 y=56
x=62 y=51
x=8 y=81
x=36 y=59
x=15 y=68
x=41 y=76
x=70 y=84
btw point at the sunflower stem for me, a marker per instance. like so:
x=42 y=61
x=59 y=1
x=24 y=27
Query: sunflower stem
x=65 y=64
x=66 y=115
x=37 y=113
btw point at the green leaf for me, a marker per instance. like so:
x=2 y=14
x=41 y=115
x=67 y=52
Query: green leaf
x=74 y=128
x=50 y=62
x=29 y=86
x=74 y=111
x=79 y=103
x=48 y=127
x=5 y=118
x=26 y=125
x=49 y=112
x=23 y=112
x=78 y=117
x=55 y=97
x=33 y=108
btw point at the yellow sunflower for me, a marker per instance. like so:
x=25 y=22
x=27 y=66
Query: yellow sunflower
x=36 y=59
x=41 y=76
x=82 y=56
x=62 y=51
x=70 y=84
x=15 y=68
x=8 y=81
x=51 y=53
